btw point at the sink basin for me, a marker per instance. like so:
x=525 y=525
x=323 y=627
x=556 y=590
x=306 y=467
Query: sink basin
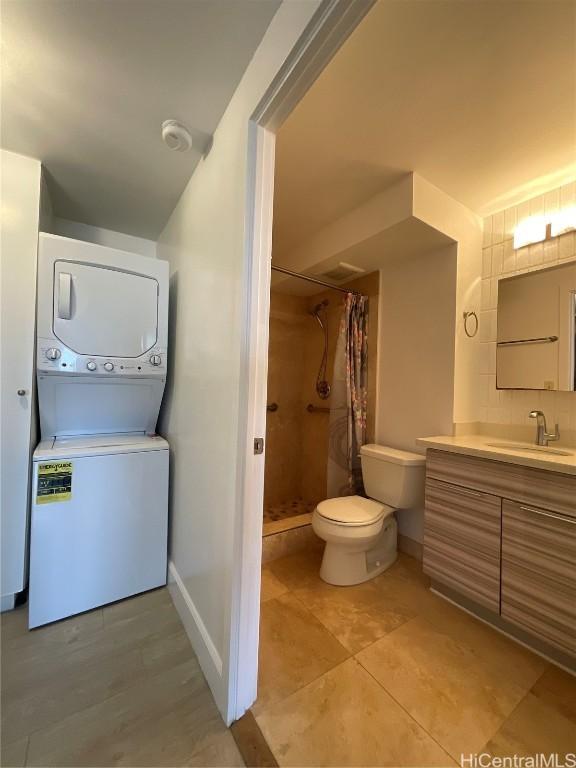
x=535 y=448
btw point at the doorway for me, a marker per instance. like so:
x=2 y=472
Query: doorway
x=334 y=21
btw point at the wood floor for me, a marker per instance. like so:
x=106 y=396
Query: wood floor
x=387 y=674
x=117 y=686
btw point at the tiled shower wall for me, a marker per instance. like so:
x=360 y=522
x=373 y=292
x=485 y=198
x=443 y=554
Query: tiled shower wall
x=499 y=259
x=297 y=441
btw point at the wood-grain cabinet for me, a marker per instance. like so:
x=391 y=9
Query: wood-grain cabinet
x=539 y=573
x=503 y=536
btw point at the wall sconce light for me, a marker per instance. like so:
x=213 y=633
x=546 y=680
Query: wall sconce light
x=563 y=221
x=535 y=228
x=532 y=230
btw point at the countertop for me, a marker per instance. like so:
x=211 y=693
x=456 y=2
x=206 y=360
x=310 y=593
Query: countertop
x=478 y=445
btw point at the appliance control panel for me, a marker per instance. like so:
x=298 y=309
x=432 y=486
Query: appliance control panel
x=55 y=357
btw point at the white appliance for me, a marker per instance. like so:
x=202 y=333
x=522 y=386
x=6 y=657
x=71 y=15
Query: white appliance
x=100 y=480
x=106 y=537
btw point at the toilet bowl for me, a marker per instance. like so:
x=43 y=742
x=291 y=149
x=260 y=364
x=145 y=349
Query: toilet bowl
x=361 y=533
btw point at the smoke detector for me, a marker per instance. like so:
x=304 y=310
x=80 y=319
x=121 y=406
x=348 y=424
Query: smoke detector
x=343 y=271
x=176 y=136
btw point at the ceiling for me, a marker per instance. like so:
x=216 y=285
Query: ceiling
x=87 y=85
x=477 y=97
x=405 y=240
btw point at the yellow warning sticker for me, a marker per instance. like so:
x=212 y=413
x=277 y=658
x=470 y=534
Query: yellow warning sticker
x=54 y=482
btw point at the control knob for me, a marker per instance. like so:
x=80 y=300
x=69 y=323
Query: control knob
x=155 y=360
x=53 y=353
x=108 y=366
x=91 y=365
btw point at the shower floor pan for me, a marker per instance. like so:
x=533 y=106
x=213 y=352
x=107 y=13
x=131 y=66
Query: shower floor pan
x=287 y=515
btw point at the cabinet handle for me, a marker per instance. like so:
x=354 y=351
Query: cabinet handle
x=563 y=518
x=466 y=491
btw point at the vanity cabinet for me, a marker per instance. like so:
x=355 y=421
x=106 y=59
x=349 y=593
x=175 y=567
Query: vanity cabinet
x=539 y=572
x=462 y=540
x=503 y=537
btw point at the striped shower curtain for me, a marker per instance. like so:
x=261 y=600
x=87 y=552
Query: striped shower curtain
x=347 y=432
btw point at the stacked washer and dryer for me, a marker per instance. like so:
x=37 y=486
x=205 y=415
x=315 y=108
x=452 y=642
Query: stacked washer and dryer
x=100 y=480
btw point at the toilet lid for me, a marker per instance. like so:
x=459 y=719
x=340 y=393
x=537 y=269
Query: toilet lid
x=353 y=510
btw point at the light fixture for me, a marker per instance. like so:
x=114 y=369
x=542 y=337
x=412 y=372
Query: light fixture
x=176 y=136
x=563 y=221
x=531 y=230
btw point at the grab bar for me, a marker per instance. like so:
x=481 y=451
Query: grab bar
x=316 y=409
x=272 y=407
x=540 y=340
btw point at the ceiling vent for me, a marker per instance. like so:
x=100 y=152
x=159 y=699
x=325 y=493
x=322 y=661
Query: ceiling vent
x=343 y=271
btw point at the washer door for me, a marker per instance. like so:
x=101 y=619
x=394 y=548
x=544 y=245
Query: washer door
x=104 y=312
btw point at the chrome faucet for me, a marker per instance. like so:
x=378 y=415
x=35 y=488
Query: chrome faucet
x=542 y=436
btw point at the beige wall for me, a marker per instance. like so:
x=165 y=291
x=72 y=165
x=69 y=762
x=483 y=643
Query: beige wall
x=416 y=356
x=502 y=409
x=416 y=381
x=447 y=215
x=289 y=325
x=297 y=441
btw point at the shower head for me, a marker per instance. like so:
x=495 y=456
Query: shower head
x=319 y=307
x=316 y=312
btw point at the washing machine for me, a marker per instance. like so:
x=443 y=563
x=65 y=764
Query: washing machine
x=99 y=522
x=99 y=515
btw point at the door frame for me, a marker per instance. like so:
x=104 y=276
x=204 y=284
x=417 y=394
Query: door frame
x=328 y=29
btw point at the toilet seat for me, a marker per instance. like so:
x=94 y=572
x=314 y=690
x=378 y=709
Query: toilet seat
x=353 y=510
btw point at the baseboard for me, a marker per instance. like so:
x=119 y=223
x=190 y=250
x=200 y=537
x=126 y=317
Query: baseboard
x=7 y=603
x=208 y=657
x=410 y=546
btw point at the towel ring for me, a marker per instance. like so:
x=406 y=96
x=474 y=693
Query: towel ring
x=467 y=316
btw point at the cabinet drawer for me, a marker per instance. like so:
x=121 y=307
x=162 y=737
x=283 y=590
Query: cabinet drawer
x=462 y=541
x=528 y=485
x=539 y=573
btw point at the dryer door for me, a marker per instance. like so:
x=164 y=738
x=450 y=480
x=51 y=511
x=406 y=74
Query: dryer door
x=105 y=312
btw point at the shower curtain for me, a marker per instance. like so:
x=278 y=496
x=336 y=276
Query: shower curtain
x=347 y=431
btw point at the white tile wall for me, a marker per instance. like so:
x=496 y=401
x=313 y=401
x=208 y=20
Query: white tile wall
x=499 y=259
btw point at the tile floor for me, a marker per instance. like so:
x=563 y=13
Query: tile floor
x=388 y=674
x=117 y=686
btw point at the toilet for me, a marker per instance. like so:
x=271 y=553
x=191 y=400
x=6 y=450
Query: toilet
x=361 y=534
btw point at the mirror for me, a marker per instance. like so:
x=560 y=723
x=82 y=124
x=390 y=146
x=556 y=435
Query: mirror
x=536 y=330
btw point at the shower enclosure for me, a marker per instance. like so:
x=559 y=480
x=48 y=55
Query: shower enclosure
x=299 y=360
x=302 y=343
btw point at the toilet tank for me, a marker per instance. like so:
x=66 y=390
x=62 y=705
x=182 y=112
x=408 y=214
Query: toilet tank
x=392 y=476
